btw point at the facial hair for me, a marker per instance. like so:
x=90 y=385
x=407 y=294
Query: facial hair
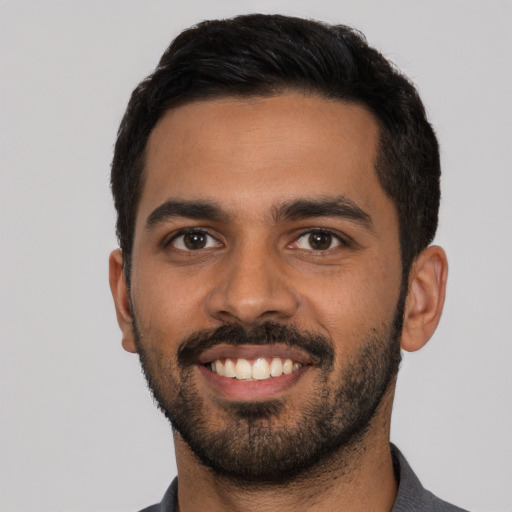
x=266 y=442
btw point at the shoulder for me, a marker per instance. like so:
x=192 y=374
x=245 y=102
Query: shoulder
x=168 y=502
x=412 y=496
x=152 y=508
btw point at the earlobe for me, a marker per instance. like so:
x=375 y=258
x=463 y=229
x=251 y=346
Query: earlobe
x=121 y=297
x=425 y=298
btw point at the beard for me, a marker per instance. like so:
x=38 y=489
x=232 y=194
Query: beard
x=270 y=441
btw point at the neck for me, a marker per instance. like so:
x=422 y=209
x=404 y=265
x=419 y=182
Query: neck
x=359 y=477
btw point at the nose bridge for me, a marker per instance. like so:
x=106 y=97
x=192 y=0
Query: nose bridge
x=252 y=287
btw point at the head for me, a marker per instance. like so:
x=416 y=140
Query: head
x=265 y=55
x=277 y=186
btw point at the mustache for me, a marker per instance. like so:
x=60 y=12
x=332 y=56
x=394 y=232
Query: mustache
x=268 y=333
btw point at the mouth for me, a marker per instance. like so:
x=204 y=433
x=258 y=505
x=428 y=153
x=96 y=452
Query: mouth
x=262 y=368
x=253 y=372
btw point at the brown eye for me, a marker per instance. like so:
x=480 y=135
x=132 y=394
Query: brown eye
x=318 y=241
x=193 y=241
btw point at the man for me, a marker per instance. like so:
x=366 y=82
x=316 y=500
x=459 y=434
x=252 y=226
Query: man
x=277 y=188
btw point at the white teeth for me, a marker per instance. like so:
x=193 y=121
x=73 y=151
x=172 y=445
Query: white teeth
x=229 y=369
x=219 y=367
x=260 y=369
x=288 y=366
x=276 y=367
x=243 y=369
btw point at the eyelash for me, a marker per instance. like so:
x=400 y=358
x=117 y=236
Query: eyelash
x=335 y=237
x=188 y=231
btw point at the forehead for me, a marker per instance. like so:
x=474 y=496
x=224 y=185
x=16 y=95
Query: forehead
x=249 y=154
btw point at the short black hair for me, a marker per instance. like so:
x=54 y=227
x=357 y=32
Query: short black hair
x=266 y=55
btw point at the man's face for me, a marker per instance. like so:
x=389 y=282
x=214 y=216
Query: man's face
x=266 y=249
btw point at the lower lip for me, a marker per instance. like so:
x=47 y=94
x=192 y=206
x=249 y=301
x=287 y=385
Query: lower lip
x=254 y=389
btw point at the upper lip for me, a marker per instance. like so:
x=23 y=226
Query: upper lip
x=255 y=351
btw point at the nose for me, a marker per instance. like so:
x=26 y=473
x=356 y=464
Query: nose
x=252 y=288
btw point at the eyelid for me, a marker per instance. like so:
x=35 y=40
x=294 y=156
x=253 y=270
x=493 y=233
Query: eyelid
x=344 y=241
x=168 y=241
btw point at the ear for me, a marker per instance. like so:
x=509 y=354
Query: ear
x=425 y=297
x=121 y=297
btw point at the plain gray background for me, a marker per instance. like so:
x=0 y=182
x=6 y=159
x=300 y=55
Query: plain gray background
x=79 y=431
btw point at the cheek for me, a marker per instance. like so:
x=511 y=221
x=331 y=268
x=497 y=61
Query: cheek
x=353 y=304
x=169 y=305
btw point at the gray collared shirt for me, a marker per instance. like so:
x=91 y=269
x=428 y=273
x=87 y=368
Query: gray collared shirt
x=411 y=497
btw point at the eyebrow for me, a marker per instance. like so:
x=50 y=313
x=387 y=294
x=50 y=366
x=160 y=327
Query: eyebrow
x=298 y=209
x=172 y=208
x=340 y=207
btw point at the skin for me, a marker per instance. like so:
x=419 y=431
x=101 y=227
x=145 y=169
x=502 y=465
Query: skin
x=251 y=157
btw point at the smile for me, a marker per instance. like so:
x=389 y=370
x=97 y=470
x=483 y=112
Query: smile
x=261 y=368
x=253 y=372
